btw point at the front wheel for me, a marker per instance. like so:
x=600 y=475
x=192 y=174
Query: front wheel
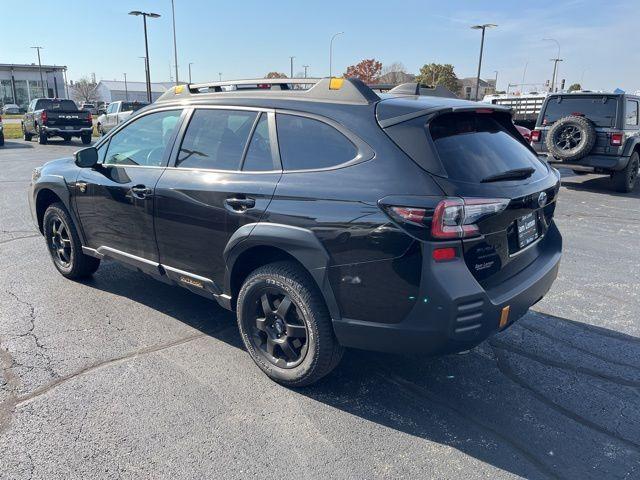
x=26 y=136
x=625 y=180
x=285 y=325
x=64 y=244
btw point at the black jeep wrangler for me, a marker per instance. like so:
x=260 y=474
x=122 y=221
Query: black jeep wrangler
x=591 y=132
x=325 y=217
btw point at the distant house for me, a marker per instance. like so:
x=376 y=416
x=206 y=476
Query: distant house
x=114 y=90
x=468 y=88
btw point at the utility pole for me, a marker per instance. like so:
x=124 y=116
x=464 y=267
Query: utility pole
x=126 y=89
x=306 y=67
x=190 y=63
x=482 y=27
x=291 y=59
x=495 y=86
x=40 y=68
x=555 y=71
x=146 y=46
x=331 y=53
x=175 y=48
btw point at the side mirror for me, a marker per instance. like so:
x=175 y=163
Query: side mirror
x=87 y=157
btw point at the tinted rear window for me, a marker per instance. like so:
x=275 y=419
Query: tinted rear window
x=132 y=106
x=64 y=105
x=600 y=109
x=473 y=147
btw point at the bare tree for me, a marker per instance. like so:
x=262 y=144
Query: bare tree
x=395 y=73
x=84 y=90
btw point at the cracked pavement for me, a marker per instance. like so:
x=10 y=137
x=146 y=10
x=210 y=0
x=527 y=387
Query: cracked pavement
x=121 y=376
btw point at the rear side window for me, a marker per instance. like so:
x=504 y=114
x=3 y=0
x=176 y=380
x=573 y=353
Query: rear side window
x=631 y=115
x=259 y=155
x=600 y=109
x=63 y=105
x=474 y=147
x=306 y=143
x=215 y=139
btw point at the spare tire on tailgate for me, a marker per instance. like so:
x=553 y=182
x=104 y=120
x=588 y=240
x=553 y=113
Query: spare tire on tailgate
x=571 y=138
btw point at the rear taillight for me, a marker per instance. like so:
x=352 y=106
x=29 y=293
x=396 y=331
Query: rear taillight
x=535 y=135
x=43 y=116
x=616 y=139
x=90 y=119
x=452 y=218
x=457 y=217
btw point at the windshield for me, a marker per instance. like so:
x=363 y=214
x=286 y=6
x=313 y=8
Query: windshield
x=49 y=104
x=477 y=148
x=132 y=106
x=600 y=109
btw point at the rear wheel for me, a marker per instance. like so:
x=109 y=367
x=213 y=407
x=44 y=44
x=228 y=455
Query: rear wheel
x=625 y=180
x=285 y=325
x=26 y=136
x=86 y=139
x=64 y=244
x=42 y=137
x=1 y=139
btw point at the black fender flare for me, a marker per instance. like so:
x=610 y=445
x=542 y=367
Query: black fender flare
x=631 y=145
x=300 y=243
x=58 y=185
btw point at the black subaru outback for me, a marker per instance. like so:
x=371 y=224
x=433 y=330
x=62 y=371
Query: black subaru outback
x=592 y=132
x=324 y=215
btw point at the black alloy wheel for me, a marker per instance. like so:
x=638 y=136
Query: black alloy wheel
x=59 y=241
x=568 y=137
x=279 y=332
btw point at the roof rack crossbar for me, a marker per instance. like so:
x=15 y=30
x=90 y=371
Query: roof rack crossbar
x=333 y=90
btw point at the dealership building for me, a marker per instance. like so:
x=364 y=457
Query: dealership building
x=114 y=90
x=21 y=83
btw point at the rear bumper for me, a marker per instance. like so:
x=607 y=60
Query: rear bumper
x=453 y=311
x=605 y=162
x=64 y=131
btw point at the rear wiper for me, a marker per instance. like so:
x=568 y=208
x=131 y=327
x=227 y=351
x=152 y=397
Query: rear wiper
x=515 y=174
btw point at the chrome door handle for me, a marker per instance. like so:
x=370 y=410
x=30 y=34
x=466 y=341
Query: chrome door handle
x=141 y=191
x=240 y=204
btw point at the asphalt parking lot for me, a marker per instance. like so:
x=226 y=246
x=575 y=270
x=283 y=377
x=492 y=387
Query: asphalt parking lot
x=121 y=376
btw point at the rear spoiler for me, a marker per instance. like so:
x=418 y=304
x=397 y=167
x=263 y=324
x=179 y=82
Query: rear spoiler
x=467 y=107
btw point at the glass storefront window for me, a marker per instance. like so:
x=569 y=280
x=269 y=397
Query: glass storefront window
x=6 y=94
x=22 y=94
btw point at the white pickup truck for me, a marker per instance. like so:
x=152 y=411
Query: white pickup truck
x=117 y=112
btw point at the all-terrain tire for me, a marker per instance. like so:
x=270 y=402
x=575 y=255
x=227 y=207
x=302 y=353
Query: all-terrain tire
x=625 y=180
x=78 y=265
x=26 y=136
x=86 y=139
x=560 y=144
x=323 y=350
x=42 y=137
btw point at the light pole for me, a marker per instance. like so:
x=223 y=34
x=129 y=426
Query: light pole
x=554 y=60
x=40 y=68
x=146 y=46
x=190 y=63
x=126 y=89
x=495 y=86
x=220 y=76
x=331 y=53
x=482 y=27
x=291 y=60
x=306 y=67
x=175 y=48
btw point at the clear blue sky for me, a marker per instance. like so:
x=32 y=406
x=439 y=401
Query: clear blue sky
x=248 y=38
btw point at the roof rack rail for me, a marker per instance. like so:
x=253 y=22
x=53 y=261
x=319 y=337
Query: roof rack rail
x=334 y=90
x=413 y=88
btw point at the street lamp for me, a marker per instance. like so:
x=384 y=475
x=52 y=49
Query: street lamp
x=40 y=68
x=331 y=53
x=306 y=67
x=175 y=48
x=482 y=27
x=137 y=13
x=220 y=76
x=555 y=62
x=126 y=89
x=190 y=63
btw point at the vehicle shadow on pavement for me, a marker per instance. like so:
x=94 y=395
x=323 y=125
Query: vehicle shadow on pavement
x=598 y=184
x=14 y=145
x=547 y=398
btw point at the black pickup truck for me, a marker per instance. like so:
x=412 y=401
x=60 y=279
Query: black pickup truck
x=52 y=117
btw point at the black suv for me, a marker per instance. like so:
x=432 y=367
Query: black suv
x=592 y=132
x=325 y=217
